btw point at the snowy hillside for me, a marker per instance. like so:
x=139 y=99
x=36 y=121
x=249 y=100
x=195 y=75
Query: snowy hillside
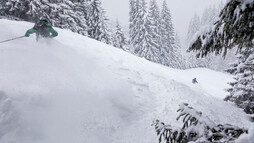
x=73 y=89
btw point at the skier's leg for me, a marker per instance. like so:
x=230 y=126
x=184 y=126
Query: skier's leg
x=37 y=37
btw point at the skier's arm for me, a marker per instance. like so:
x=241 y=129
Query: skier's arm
x=30 y=31
x=52 y=31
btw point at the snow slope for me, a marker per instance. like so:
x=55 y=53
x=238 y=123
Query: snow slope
x=73 y=89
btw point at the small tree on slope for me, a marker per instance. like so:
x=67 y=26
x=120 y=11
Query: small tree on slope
x=119 y=39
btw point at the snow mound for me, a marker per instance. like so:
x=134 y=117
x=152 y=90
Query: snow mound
x=76 y=89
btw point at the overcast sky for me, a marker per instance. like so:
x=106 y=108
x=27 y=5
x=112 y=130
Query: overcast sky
x=182 y=11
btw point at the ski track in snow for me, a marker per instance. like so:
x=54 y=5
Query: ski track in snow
x=76 y=90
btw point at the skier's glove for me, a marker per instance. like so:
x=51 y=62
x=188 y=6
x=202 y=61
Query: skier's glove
x=27 y=35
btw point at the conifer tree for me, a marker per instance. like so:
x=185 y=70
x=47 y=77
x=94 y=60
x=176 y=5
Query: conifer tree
x=167 y=35
x=242 y=90
x=153 y=26
x=209 y=17
x=80 y=9
x=140 y=31
x=13 y=8
x=34 y=11
x=96 y=22
x=135 y=21
x=132 y=22
x=119 y=39
x=155 y=22
x=143 y=42
x=107 y=31
x=233 y=29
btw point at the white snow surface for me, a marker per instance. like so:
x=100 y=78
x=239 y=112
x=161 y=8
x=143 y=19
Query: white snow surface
x=247 y=138
x=73 y=89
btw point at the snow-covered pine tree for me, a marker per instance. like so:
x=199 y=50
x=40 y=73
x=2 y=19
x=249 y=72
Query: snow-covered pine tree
x=209 y=17
x=80 y=8
x=138 y=29
x=22 y=9
x=241 y=58
x=64 y=14
x=234 y=28
x=167 y=37
x=1 y=8
x=153 y=26
x=14 y=9
x=96 y=21
x=144 y=30
x=107 y=31
x=34 y=11
x=138 y=17
x=132 y=22
x=242 y=90
x=140 y=41
x=248 y=100
x=119 y=39
x=144 y=41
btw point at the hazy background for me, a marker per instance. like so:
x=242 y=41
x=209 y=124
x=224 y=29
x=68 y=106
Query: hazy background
x=182 y=11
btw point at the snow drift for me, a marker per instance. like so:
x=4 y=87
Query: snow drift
x=75 y=89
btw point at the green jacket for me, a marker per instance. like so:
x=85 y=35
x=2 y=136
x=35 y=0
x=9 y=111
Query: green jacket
x=48 y=32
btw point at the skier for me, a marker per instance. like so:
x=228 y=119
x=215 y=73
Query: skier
x=194 y=80
x=42 y=29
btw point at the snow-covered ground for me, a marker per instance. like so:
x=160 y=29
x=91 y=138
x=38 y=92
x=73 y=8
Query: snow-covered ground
x=73 y=89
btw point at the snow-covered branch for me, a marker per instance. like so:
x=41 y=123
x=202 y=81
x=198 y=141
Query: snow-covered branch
x=234 y=28
x=196 y=128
